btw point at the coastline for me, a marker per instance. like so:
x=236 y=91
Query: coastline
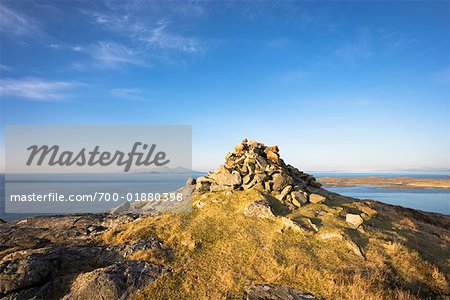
x=400 y=183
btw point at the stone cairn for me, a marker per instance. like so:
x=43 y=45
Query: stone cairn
x=253 y=165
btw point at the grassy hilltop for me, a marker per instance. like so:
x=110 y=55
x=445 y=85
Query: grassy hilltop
x=335 y=248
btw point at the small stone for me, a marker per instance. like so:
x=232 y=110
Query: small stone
x=272 y=153
x=240 y=160
x=199 y=204
x=298 y=199
x=238 y=148
x=311 y=225
x=272 y=156
x=354 y=219
x=202 y=186
x=261 y=162
x=230 y=162
x=247 y=179
x=243 y=170
x=223 y=177
x=204 y=179
x=332 y=235
x=284 y=192
x=259 y=186
x=252 y=143
x=248 y=186
x=279 y=182
x=258 y=209
x=369 y=211
x=273 y=149
x=290 y=224
x=316 y=198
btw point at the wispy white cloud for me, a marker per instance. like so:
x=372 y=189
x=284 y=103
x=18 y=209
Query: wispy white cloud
x=112 y=55
x=55 y=46
x=395 y=40
x=129 y=94
x=367 y=44
x=76 y=48
x=355 y=50
x=37 y=89
x=135 y=33
x=15 y=23
x=65 y=46
x=160 y=37
x=5 y=68
x=148 y=33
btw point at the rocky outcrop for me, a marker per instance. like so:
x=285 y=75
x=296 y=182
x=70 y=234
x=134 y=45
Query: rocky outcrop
x=38 y=232
x=117 y=281
x=58 y=256
x=143 y=207
x=276 y=292
x=253 y=165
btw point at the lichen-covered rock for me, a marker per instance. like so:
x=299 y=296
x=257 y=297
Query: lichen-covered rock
x=291 y=224
x=354 y=220
x=26 y=269
x=44 y=254
x=316 y=198
x=285 y=192
x=370 y=212
x=311 y=225
x=258 y=209
x=298 y=198
x=224 y=177
x=39 y=232
x=117 y=281
x=276 y=292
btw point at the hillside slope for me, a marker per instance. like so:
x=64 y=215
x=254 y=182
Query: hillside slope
x=257 y=220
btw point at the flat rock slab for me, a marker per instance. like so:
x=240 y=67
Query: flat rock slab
x=354 y=220
x=276 y=292
x=52 y=257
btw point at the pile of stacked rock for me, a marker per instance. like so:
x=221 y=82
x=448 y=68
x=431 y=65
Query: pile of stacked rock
x=253 y=165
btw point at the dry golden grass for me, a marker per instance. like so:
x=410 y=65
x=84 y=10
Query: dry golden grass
x=217 y=252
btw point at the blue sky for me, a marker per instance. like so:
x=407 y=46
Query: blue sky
x=357 y=86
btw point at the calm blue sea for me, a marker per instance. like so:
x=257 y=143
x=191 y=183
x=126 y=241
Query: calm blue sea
x=434 y=200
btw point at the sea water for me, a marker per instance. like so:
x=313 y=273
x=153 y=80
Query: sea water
x=433 y=200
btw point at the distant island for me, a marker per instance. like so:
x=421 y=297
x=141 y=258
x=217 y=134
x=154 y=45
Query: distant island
x=404 y=183
x=168 y=170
